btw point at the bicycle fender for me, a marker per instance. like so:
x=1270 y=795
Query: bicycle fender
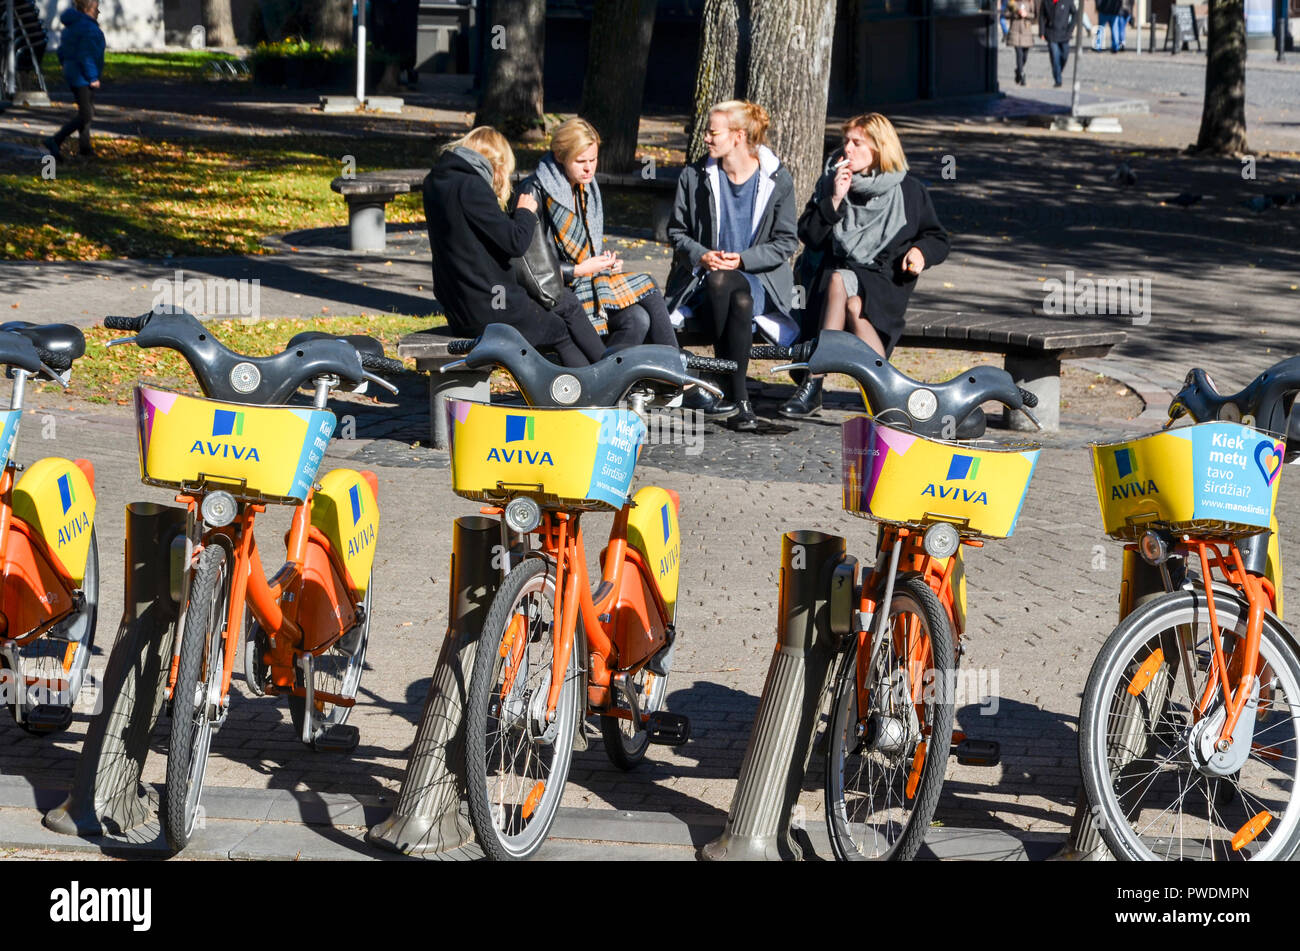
x=652 y=529
x=56 y=498
x=35 y=592
x=324 y=604
x=345 y=509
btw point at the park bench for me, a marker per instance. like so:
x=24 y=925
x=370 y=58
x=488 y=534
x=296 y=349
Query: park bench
x=368 y=193
x=1033 y=348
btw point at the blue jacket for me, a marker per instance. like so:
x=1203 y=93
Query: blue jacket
x=81 y=48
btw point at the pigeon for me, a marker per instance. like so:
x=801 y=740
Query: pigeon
x=1124 y=175
x=1186 y=199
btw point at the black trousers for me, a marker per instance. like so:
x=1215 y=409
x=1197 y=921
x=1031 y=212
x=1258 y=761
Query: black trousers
x=1022 y=54
x=729 y=310
x=646 y=321
x=80 y=123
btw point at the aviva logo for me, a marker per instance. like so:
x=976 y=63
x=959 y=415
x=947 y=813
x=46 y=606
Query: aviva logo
x=1125 y=463
x=519 y=428
x=663 y=512
x=67 y=494
x=227 y=422
x=962 y=467
x=354 y=494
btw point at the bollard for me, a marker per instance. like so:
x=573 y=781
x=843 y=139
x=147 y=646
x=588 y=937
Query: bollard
x=428 y=817
x=107 y=795
x=758 y=823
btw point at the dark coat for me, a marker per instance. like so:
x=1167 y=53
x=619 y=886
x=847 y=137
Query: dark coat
x=884 y=286
x=1110 y=8
x=81 y=48
x=472 y=241
x=693 y=230
x=1056 y=20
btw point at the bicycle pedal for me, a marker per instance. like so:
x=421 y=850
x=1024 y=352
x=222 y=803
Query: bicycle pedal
x=48 y=718
x=978 y=752
x=340 y=738
x=668 y=729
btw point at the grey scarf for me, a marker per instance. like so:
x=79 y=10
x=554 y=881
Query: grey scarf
x=560 y=190
x=479 y=162
x=870 y=222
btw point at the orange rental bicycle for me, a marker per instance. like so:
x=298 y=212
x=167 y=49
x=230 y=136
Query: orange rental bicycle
x=231 y=455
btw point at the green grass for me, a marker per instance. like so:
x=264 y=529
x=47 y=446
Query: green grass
x=177 y=66
x=108 y=374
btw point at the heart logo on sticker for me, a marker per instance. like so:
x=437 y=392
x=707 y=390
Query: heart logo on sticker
x=1268 y=456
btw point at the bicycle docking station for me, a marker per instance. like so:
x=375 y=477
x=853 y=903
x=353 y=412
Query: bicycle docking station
x=818 y=595
x=432 y=810
x=107 y=796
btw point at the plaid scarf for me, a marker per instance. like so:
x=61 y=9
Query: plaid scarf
x=599 y=293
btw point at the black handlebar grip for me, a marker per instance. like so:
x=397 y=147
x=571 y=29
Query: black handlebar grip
x=710 y=364
x=134 y=324
x=458 y=348
x=769 y=352
x=1029 y=399
x=380 y=364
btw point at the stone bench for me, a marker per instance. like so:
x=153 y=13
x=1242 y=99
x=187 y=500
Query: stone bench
x=1033 y=348
x=368 y=193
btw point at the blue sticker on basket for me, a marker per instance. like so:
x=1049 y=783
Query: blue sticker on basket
x=1236 y=470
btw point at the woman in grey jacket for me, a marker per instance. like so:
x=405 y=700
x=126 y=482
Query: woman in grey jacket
x=733 y=230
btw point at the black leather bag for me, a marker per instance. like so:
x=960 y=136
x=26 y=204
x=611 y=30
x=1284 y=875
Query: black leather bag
x=538 y=270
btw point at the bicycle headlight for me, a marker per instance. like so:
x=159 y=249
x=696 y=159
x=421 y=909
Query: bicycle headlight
x=1153 y=547
x=941 y=540
x=218 y=509
x=523 y=515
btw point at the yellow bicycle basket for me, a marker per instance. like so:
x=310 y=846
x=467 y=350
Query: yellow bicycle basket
x=257 y=452
x=571 y=458
x=1216 y=479
x=892 y=475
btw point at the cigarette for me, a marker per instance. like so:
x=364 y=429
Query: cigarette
x=841 y=163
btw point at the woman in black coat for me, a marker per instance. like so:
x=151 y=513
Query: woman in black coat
x=473 y=239
x=872 y=229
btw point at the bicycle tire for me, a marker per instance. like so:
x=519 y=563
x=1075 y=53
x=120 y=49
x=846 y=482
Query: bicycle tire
x=516 y=824
x=1154 y=719
x=894 y=741
x=625 y=747
x=196 y=677
x=52 y=650
x=336 y=670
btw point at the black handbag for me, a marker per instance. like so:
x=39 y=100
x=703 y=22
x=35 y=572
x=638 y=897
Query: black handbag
x=538 y=269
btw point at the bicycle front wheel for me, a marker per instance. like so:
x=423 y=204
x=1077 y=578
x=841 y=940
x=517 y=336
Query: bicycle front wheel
x=1146 y=737
x=886 y=760
x=196 y=700
x=517 y=760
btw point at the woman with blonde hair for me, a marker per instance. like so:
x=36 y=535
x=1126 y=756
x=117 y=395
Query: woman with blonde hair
x=733 y=232
x=473 y=240
x=573 y=216
x=872 y=230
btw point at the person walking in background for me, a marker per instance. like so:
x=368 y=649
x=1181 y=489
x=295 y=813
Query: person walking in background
x=733 y=232
x=875 y=230
x=1004 y=14
x=1112 y=14
x=81 y=53
x=1024 y=20
x=1056 y=24
x=572 y=215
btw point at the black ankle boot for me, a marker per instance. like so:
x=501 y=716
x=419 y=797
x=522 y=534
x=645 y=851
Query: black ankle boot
x=806 y=400
x=745 y=420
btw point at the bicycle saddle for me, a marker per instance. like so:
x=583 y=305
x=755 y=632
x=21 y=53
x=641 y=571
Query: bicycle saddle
x=363 y=343
x=604 y=383
x=17 y=350
x=948 y=410
x=224 y=374
x=58 y=345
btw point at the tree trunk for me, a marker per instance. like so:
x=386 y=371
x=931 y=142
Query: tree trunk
x=1223 y=116
x=789 y=76
x=331 y=22
x=614 y=85
x=218 y=24
x=512 y=70
x=716 y=76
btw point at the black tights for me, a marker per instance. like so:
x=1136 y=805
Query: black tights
x=1022 y=54
x=731 y=308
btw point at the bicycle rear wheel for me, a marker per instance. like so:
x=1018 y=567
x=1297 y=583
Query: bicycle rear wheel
x=197 y=697
x=885 y=765
x=1156 y=790
x=517 y=762
x=337 y=671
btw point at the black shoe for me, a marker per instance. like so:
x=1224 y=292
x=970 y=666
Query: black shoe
x=745 y=420
x=700 y=400
x=806 y=400
x=1057 y=84
x=722 y=409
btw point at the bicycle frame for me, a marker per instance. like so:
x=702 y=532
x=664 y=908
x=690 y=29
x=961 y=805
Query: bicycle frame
x=612 y=647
